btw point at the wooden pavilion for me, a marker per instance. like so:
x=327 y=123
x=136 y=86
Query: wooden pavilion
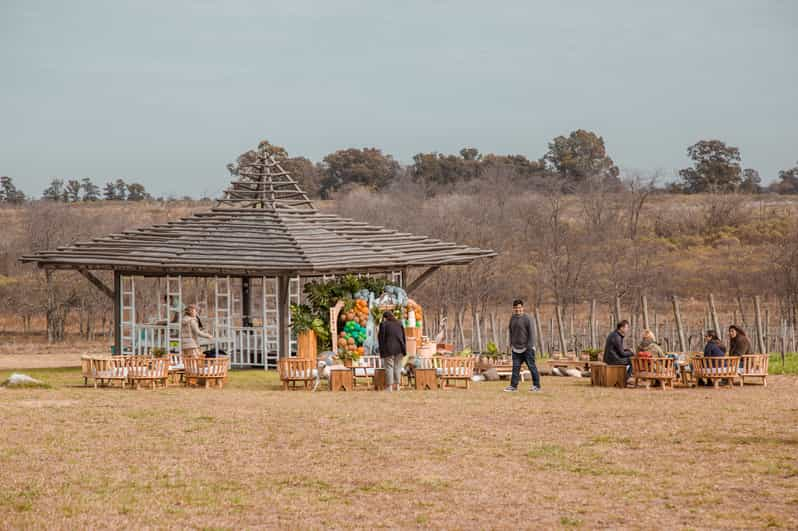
x=257 y=246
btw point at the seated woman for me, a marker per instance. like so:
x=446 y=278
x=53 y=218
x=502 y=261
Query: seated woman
x=649 y=344
x=739 y=345
x=713 y=349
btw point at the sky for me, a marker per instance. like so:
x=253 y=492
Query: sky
x=166 y=93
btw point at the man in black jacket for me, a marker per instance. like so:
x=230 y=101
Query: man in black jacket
x=614 y=353
x=522 y=343
x=393 y=347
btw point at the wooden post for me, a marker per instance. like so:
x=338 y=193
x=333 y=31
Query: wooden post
x=766 y=331
x=246 y=302
x=742 y=312
x=493 y=330
x=561 y=330
x=714 y=315
x=679 y=328
x=617 y=309
x=644 y=303
x=541 y=339
x=760 y=334
x=593 y=323
x=283 y=333
x=118 y=312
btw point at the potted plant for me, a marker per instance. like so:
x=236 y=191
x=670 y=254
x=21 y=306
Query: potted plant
x=158 y=352
x=593 y=353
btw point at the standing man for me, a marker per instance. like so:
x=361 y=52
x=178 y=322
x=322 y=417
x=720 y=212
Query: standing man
x=393 y=348
x=522 y=343
x=614 y=353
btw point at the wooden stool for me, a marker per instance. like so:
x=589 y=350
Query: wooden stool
x=379 y=379
x=426 y=379
x=598 y=373
x=341 y=380
x=615 y=376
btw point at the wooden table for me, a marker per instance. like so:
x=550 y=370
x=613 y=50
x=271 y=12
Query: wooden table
x=426 y=379
x=341 y=379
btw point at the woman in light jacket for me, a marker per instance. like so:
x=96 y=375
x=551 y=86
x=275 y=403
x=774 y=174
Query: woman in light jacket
x=190 y=333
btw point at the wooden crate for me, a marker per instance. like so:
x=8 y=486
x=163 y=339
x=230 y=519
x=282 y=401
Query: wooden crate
x=426 y=379
x=341 y=380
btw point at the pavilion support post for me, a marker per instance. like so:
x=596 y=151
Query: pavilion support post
x=282 y=316
x=246 y=301
x=117 y=312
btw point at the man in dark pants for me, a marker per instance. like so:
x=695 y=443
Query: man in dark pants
x=522 y=343
x=614 y=353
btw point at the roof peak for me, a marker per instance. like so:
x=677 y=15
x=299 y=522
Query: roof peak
x=263 y=183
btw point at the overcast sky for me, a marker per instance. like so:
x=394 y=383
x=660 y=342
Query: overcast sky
x=166 y=93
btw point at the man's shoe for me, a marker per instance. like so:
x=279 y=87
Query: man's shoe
x=510 y=389
x=534 y=389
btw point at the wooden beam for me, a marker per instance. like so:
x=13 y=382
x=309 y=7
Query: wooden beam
x=117 y=312
x=97 y=282
x=421 y=279
x=283 y=332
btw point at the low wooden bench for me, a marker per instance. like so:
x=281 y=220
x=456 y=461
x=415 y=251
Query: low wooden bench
x=754 y=366
x=294 y=370
x=207 y=371
x=650 y=370
x=715 y=369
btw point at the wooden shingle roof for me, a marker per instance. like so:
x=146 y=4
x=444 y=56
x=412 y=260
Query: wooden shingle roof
x=264 y=224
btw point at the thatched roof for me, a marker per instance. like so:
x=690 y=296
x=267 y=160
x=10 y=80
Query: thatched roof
x=264 y=224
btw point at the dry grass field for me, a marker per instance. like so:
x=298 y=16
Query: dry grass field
x=252 y=456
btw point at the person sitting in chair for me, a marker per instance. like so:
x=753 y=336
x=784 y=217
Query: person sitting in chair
x=614 y=353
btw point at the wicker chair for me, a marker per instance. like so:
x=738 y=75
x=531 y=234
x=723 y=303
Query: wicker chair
x=456 y=368
x=754 y=366
x=107 y=369
x=654 y=369
x=206 y=370
x=293 y=370
x=366 y=368
x=146 y=369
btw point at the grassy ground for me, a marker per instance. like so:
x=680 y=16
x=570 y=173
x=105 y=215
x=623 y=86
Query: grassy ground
x=253 y=456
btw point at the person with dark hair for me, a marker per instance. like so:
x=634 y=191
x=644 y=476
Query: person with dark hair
x=713 y=348
x=393 y=347
x=522 y=343
x=739 y=345
x=614 y=352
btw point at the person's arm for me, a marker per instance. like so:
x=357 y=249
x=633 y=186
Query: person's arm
x=196 y=332
x=530 y=334
x=403 y=340
x=618 y=345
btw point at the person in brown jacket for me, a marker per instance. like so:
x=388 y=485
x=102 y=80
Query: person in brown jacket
x=739 y=345
x=190 y=333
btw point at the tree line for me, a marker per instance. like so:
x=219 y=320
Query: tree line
x=573 y=163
